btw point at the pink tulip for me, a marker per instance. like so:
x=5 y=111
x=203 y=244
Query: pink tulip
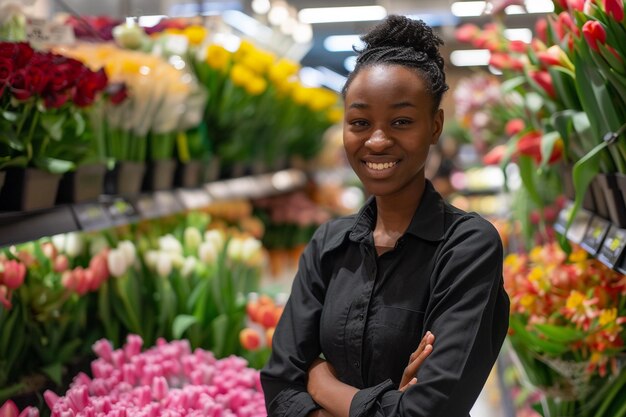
x=576 y=5
x=14 y=273
x=29 y=412
x=614 y=8
x=81 y=280
x=49 y=250
x=98 y=265
x=594 y=33
x=541 y=29
x=103 y=349
x=79 y=397
x=60 y=263
x=565 y=24
x=467 y=33
x=514 y=126
x=133 y=345
x=9 y=409
x=51 y=398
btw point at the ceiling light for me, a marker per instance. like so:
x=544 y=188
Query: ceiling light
x=470 y=57
x=436 y=19
x=288 y=26
x=539 y=6
x=515 y=9
x=520 y=34
x=311 y=77
x=229 y=41
x=149 y=21
x=468 y=8
x=349 y=63
x=247 y=25
x=331 y=79
x=342 y=14
x=342 y=43
x=261 y=6
x=278 y=13
x=303 y=33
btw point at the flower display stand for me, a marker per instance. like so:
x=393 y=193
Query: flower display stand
x=159 y=175
x=84 y=184
x=125 y=178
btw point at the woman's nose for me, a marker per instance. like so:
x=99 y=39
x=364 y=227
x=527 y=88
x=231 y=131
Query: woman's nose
x=378 y=141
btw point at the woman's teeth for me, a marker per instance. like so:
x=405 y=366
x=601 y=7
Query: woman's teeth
x=379 y=166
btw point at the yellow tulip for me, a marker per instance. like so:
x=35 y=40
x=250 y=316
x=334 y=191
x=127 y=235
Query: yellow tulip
x=256 y=86
x=217 y=56
x=335 y=115
x=245 y=47
x=240 y=75
x=195 y=34
x=301 y=94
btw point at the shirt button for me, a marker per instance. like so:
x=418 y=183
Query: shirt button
x=361 y=316
x=357 y=364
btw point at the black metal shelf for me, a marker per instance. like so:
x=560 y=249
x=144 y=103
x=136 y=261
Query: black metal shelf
x=111 y=211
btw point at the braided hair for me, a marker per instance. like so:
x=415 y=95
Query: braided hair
x=410 y=43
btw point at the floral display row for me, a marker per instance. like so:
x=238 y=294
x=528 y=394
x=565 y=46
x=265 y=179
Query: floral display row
x=185 y=112
x=557 y=110
x=182 y=277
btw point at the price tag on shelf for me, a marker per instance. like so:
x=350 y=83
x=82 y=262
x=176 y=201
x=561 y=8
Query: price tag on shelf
x=595 y=234
x=613 y=247
x=37 y=31
x=577 y=230
x=167 y=202
x=120 y=211
x=147 y=207
x=194 y=198
x=92 y=216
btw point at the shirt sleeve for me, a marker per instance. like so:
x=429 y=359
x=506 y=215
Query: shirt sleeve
x=295 y=343
x=468 y=313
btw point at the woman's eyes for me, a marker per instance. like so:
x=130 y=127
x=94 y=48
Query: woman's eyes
x=364 y=123
x=401 y=122
x=359 y=123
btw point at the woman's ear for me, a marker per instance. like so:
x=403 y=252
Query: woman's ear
x=437 y=126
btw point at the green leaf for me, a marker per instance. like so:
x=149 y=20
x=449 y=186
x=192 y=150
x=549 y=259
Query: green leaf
x=55 y=166
x=534 y=102
x=534 y=342
x=219 y=330
x=565 y=85
x=511 y=84
x=80 y=123
x=560 y=334
x=181 y=323
x=10 y=116
x=617 y=384
x=55 y=372
x=547 y=146
x=53 y=124
x=526 y=169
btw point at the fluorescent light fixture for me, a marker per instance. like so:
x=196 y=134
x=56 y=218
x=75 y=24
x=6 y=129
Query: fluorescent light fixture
x=539 y=6
x=349 y=63
x=436 y=19
x=342 y=43
x=207 y=8
x=331 y=79
x=470 y=57
x=261 y=6
x=311 y=77
x=303 y=33
x=229 y=41
x=342 y=14
x=468 y=8
x=149 y=21
x=520 y=34
x=477 y=8
x=246 y=24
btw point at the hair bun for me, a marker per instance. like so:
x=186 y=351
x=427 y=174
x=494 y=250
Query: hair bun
x=400 y=31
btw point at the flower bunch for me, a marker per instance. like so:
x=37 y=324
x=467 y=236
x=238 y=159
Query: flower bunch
x=262 y=315
x=46 y=98
x=567 y=329
x=166 y=379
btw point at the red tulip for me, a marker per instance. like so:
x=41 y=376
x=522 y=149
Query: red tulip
x=594 y=32
x=614 y=8
x=249 y=339
x=14 y=273
x=467 y=32
x=555 y=56
x=495 y=155
x=503 y=61
x=514 y=126
x=576 y=5
x=530 y=145
x=517 y=46
x=565 y=24
x=563 y=4
x=541 y=29
x=543 y=79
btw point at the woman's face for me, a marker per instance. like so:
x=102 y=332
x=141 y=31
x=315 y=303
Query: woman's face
x=388 y=128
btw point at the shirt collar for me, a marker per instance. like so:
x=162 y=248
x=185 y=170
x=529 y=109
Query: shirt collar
x=427 y=222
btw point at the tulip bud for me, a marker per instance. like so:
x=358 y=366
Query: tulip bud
x=514 y=126
x=9 y=409
x=234 y=249
x=150 y=258
x=116 y=263
x=29 y=411
x=614 y=8
x=164 y=265
x=541 y=29
x=14 y=273
x=467 y=32
x=159 y=388
x=189 y=266
x=216 y=237
x=51 y=398
x=192 y=238
x=594 y=33
x=576 y=5
x=170 y=244
x=61 y=263
x=49 y=250
x=544 y=80
x=98 y=265
x=74 y=244
x=207 y=252
x=59 y=242
x=249 y=339
x=128 y=250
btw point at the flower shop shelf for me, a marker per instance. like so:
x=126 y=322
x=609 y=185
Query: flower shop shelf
x=598 y=236
x=111 y=210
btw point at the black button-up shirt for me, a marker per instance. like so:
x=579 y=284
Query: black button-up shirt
x=367 y=313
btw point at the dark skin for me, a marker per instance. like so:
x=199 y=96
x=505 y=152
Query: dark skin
x=389 y=127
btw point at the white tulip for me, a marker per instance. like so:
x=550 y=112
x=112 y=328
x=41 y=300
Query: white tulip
x=150 y=258
x=74 y=244
x=59 y=242
x=189 y=266
x=177 y=259
x=235 y=249
x=216 y=237
x=250 y=249
x=170 y=244
x=207 y=252
x=164 y=265
x=130 y=252
x=116 y=261
x=192 y=238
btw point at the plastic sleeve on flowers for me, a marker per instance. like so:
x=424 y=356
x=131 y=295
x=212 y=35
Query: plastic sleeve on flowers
x=365 y=402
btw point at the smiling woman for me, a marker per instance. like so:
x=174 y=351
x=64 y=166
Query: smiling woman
x=376 y=289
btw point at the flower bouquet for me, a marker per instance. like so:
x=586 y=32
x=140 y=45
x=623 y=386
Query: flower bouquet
x=566 y=328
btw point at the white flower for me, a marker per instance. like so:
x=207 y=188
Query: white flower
x=164 y=265
x=235 y=249
x=216 y=237
x=170 y=244
x=189 y=266
x=130 y=252
x=177 y=259
x=250 y=249
x=207 y=252
x=74 y=244
x=59 y=242
x=116 y=261
x=150 y=258
x=192 y=239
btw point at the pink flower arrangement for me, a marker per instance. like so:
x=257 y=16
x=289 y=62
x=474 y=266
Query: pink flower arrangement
x=166 y=380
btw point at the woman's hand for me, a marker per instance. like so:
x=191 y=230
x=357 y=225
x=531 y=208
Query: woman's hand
x=415 y=361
